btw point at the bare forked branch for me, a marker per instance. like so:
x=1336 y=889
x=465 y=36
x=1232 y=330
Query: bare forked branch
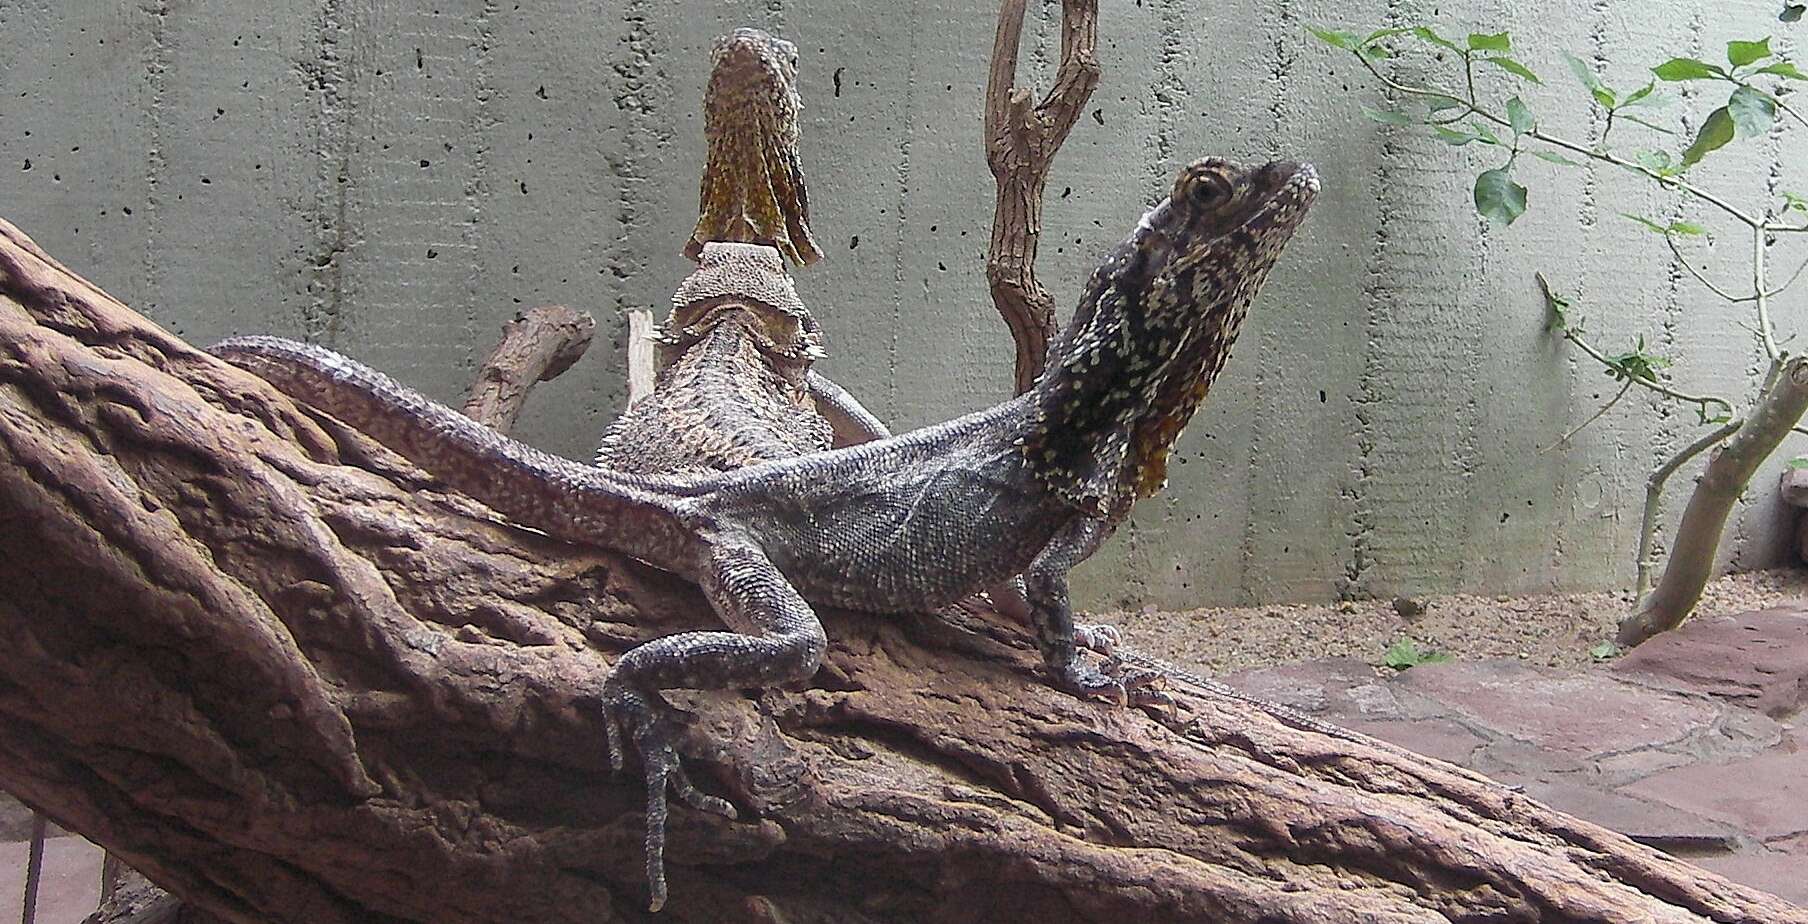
x=1021 y=141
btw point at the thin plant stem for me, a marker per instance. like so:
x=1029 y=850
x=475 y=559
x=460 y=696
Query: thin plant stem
x=1555 y=141
x=1654 y=492
x=1578 y=428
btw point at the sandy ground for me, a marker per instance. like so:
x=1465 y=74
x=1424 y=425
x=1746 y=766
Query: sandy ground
x=1552 y=629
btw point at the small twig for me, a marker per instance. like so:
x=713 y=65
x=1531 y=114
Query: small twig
x=1790 y=281
x=536 y=346
x=1021 y=141
x=1701 y=277
x=1555 y=141
x=1765 y=335
x=1565 y=438
x=1654 y=492
x=1571 y=335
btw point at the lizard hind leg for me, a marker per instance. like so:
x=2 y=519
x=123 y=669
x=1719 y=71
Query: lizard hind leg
x=781 y=641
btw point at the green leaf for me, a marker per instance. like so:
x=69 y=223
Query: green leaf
x=1337 y=38
x=1497 y=197
x=1783 y=69
x=1715 y=133
x=1596 y=88
x=1451 y=136
x=1676 y=227
x=1606 y=651
x=1642 y=97
x=1445 y=104
x=1794 y=201
x=1739 y=54
x=1658 y=162
x=1426 y=33
x=1519 y=116
x=1405 y=654
x=1380 y=34
x=1555 y=158
x=1687 y=69
x=1753 y=111
x=1798 y=462
x=1496 y=41
x=1484 y=133
x=1386 y=117
x=1513 y=67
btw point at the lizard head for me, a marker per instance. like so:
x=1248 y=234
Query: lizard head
x=753 y=181
x=1155 y=326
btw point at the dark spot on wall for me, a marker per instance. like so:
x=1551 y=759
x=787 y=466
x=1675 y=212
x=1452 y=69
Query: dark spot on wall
x=1321 y=396
x=432 y=254
x=854 y=242
x=425 y=163
x=27 y=165
x=541 y=93
x=1098 y=115
x=837 y=78
x=1066 y=191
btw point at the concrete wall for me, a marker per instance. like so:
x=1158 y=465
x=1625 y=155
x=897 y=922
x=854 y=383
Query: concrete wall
x=396 y=177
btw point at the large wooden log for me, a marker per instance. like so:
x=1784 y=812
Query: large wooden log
x=289 y=678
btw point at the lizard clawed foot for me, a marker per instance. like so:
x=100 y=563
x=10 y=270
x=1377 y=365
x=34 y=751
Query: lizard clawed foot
x=654 y=726
x=1098 y=638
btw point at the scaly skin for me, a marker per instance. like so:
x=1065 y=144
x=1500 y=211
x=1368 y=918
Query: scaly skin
x=904 y=524
x=753 y=181
x=734 y=383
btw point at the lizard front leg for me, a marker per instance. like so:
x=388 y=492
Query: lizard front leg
x=778 y=640
x=1045 y=602
x=851 y=421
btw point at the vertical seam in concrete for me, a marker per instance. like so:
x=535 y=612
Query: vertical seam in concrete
x=907 y=122
x=1670 y=438
x=477 y=189
x=1267 y=349
x=1743 y=537
x=156 y=164
x=1375 y=294
x=1167 y=97
x=321 y=313
x=642 y=134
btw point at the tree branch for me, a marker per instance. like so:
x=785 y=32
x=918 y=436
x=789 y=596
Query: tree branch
x=537 y=346
x=291 y=678
x=1021 y=141
x=1691 y=561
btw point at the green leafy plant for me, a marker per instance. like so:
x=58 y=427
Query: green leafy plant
x=1606 y=651
x=1481 y=104
x=1405 y=654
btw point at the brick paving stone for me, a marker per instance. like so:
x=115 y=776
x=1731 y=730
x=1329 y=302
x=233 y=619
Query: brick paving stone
x=1765 y=795
x=1757 y=659
x=1573 y=715
x=1336 y=688
x=1439 y=738
x=70 y=889
x=1780 y=874
x=1653 y=823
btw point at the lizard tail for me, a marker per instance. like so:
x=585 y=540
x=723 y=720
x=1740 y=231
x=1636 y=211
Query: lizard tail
x=563 y=498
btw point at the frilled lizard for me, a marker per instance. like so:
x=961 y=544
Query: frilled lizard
x=735 y=384
x=904 y=524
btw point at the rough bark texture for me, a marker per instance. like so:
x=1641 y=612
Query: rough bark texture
x=536 y=346
x=1021 y=141
x=279 y=671
x=1691 y=562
